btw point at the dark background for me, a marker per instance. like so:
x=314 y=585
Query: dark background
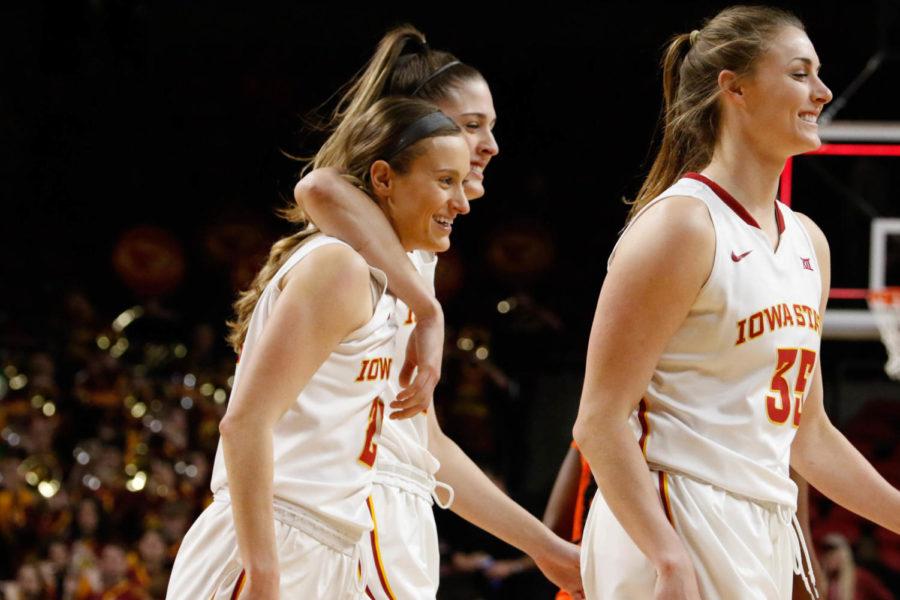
x=116 y=114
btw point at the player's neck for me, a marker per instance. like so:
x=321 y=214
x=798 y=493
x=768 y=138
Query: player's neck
x=751 y=177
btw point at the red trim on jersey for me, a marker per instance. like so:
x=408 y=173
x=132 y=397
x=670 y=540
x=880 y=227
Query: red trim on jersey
x=376 y=552
x=733 y=204
x=664 y=496
x=369 y=593
x=239 y=585
x=645 y=426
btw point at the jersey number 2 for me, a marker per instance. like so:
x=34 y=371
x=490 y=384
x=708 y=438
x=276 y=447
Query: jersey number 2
x=370 y=447
x=783 y=398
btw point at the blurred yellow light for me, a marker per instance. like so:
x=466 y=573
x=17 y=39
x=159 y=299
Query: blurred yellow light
x=48 y=489
x=102 y=342
x=10 y=371
x=465 y=343
x=126 y=318
x=37 y=401
x=129 y=401
x=220 y=396
x=32 y=478
x=141 y=448
x=18 y=382
x=207 y=389
x=131 y=469
x=503 y=307
x=138 y=410
x=49 y=409
x=482 y=353
x=230 y=381
x=180 y=350
x=137 y=483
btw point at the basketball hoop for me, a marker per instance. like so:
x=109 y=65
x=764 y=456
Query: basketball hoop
x=885 y=305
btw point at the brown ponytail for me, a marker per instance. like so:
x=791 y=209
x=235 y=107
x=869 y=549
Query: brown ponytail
x=732 y=40
x=403 y=65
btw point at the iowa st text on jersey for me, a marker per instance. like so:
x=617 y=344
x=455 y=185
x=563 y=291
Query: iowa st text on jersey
x=775 y=317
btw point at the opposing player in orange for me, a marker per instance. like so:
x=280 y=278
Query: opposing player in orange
x=703 y=384
x=415 y=454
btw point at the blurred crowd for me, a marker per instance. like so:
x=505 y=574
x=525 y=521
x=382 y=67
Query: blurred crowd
x=107 y=436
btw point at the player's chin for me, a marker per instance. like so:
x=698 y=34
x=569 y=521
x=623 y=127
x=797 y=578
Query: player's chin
x=439 y=243
x=473 y=189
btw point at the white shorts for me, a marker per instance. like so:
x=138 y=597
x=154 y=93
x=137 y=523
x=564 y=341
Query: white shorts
x=401 y=555
x=208 y=565
x=739 y=548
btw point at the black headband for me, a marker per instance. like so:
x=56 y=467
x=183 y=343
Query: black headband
x=433 y=75
x=420 y=129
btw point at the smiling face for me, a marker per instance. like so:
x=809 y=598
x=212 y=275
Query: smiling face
x=422 y=202
x=783 y=96
x=471 y=106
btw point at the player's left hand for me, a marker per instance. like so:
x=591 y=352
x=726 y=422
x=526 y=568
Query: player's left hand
x=562 y=566
x=424 y=353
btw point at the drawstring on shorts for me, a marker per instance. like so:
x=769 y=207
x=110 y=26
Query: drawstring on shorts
x=412 y=480
x=799 y=551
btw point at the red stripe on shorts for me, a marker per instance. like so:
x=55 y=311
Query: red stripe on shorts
x=239 y=585
x=664 y=496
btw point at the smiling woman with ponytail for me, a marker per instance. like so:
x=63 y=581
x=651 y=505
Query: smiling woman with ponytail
x=690 y=419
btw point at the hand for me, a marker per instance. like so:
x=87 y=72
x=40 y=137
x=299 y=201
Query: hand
x=677 y=583
x=562 y=566
x=423 y=356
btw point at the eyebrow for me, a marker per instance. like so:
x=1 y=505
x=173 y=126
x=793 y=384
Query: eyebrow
x=807 y=61
x=478 y=114
x=450 y=170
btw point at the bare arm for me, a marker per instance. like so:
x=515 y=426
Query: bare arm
x=561 y=506
x=659 y=268
x=823 y=456
x=480 y=502
x=340 y=209
x=274 y=375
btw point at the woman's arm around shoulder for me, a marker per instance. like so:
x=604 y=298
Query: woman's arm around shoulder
x=340 y=209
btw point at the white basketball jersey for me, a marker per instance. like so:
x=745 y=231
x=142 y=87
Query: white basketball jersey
x=325 y=444
x=727 y=394
x=406 y=440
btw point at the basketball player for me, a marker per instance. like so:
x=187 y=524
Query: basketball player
x=295 y=461
x=704 y=350
x=415 y=454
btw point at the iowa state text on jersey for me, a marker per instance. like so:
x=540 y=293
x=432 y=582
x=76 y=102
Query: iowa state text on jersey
x=775 y=317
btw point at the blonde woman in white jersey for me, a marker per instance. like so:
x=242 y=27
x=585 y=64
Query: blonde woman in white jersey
x=415 y=455
x=704 y=353
x=299 y=440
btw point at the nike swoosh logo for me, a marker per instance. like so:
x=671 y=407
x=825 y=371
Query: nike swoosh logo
x=739 y=257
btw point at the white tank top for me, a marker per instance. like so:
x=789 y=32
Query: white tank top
x=406 y=440
x=726 y=396
x=325 y=444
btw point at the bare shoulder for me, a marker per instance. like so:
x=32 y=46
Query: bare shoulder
x=335 y=266
x=672 y=228
x=333 y=279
